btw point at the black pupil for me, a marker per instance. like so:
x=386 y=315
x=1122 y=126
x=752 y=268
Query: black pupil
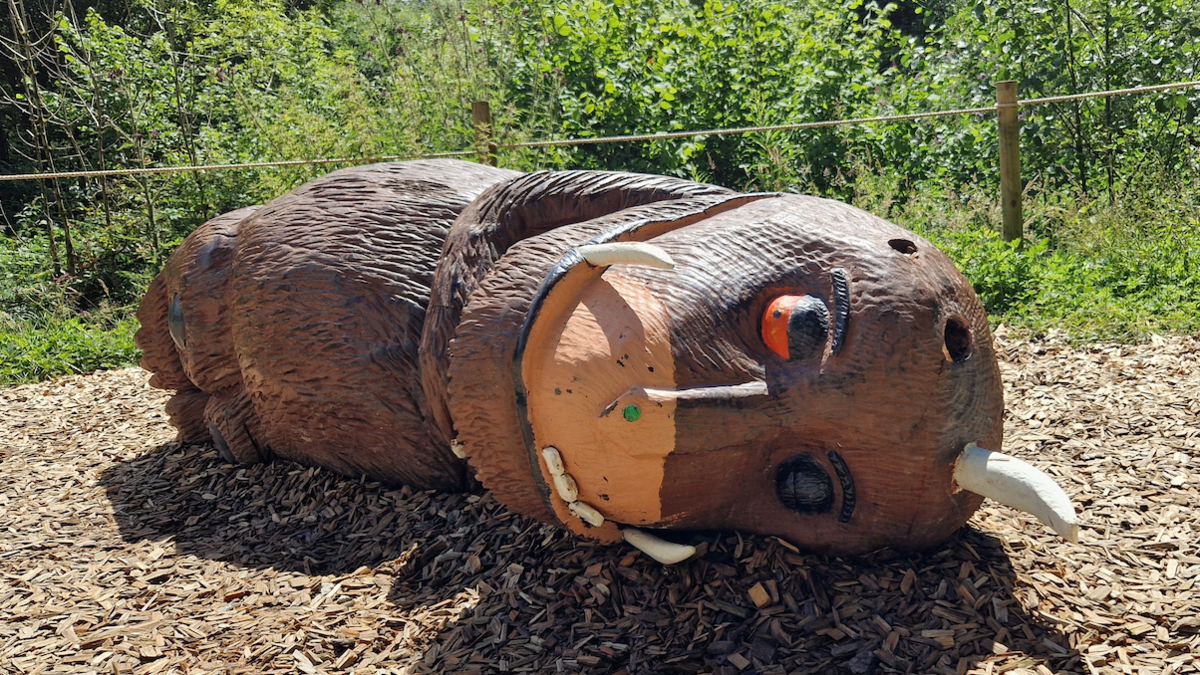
x=804 y=486
x=808 y=328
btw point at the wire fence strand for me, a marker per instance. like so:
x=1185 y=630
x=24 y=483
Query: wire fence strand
x=221 y=167
x=1115 y=92
x=745 y=130
x=631 y=138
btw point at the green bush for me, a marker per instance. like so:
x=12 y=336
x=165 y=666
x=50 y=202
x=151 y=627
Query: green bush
x=1110 y=273
x=49 y=346
x=585 y=68
x=1111 y=205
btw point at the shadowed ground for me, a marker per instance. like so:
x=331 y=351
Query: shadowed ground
x=125 y=552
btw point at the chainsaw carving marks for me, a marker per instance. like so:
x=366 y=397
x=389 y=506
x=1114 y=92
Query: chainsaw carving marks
x=615 y=353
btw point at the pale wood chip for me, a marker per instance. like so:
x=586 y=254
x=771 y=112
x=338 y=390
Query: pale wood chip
x=125 y=552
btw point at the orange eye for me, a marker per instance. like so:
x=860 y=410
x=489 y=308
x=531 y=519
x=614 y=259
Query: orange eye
x=796 y=326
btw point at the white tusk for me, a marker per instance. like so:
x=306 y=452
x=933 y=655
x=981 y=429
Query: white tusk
x=665 y=552
x=1018 y=484
x=457 y=448
x=586 y=513
x=626 y=253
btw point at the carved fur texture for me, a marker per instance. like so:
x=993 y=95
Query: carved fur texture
x=371 y=317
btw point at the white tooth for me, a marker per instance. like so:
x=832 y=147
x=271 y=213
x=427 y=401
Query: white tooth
x=566 y=487
x=1018 y=484
x=458 y=449
x=663 y=551
x=626 y=253
x=553 y=460
x=586 y=513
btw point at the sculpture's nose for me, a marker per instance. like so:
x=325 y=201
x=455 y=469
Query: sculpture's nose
x=956 y=340
x=796 y=326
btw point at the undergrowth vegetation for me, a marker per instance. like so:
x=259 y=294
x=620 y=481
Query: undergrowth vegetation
x=1112 y=208
x=1095 y=270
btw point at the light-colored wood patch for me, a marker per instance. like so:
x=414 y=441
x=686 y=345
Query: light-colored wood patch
x=587 y=369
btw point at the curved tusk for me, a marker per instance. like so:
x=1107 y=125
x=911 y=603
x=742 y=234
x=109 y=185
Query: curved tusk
x=665 y=552
x=1018 y=484
x=626 y=253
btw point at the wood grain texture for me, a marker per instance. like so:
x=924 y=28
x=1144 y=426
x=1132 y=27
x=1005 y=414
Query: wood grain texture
x=510 y=212
x=197 y=277
x=303 y=321
x=481 y=383
x=890 y=403
x=185 y=411
x=365 y=319
x=597 y=354
x=331 y=285
x=159 y=355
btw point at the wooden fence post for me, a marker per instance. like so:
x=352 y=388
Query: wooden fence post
x=1010 y=159
x=481 y=115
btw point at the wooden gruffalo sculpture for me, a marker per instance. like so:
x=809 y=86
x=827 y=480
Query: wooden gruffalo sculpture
x=612 y=352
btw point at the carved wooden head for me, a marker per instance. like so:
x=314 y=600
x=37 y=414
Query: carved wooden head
x=777 y=364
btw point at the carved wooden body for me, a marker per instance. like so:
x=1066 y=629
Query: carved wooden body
x=805 y=370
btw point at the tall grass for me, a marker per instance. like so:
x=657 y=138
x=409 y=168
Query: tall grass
x=52 y=345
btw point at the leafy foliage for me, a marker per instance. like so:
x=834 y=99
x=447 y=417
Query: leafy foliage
x=586 y=68
x=1111 y=197
x=1111 y=272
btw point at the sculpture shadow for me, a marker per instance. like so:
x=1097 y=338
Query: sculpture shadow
x=530 y=596
x=278 y=515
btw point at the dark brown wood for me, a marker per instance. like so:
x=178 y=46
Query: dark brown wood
x=311 y=308
x=891 y=403
x=507 y=213
x=197 y=276
x=366 y=320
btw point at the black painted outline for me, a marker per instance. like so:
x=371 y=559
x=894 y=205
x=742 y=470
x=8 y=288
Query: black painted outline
x=841 y=308
x=849 y=497
x=570 y=260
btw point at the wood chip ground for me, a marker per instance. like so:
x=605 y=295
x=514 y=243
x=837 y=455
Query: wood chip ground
x=123 y=552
